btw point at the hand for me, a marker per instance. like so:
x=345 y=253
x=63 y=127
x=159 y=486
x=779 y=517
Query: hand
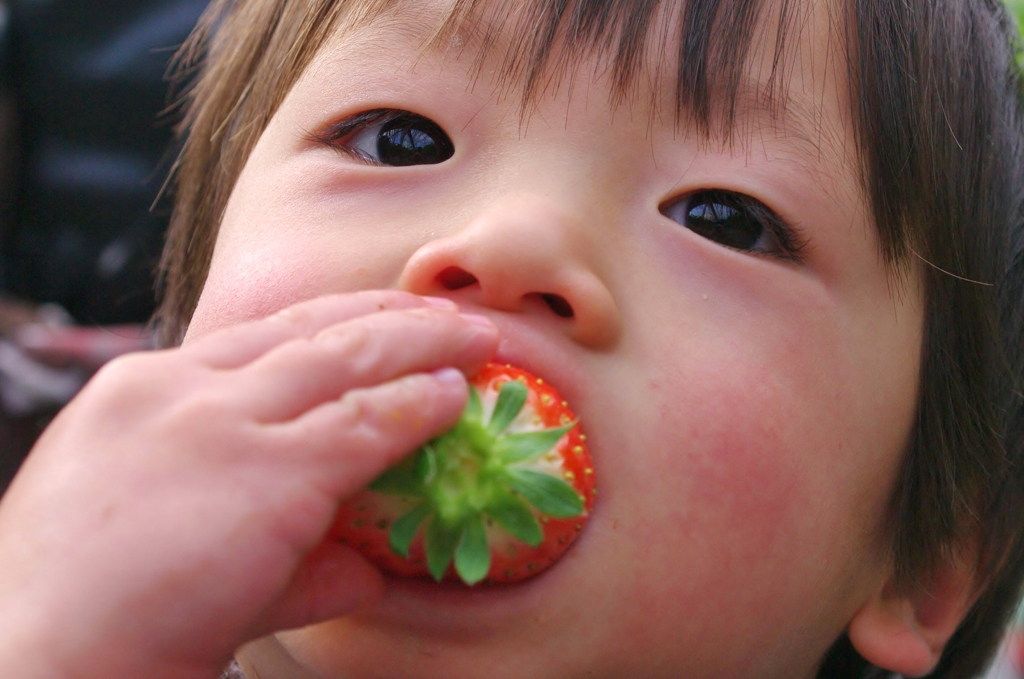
x=178 y=506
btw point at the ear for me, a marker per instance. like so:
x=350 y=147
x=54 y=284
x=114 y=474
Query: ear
x=906 y=632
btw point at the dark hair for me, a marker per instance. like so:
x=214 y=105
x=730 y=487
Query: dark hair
x=940 y=128
x=937 y=115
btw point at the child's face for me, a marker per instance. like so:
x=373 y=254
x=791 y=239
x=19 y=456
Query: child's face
x=747 y=410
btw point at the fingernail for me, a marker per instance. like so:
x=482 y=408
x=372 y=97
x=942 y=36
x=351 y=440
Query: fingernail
x=440 y=302
x=450 y=377
x=477 y=319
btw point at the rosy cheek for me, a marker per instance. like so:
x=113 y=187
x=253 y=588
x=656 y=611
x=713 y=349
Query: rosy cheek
x=703 y=518
x=740 y=492
x=259 y=279
x=743 y=470
x=230 y=295
x=733 y=463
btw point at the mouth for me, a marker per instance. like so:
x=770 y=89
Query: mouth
x=416 y=602
x=429 y=630
x=456 y=610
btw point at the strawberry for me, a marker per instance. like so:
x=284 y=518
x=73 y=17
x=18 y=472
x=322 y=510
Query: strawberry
x=496 y=499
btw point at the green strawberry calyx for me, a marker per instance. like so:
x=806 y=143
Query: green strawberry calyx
x=474 y=475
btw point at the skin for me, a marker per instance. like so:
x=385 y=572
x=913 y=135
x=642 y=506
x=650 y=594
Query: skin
x=746 y=413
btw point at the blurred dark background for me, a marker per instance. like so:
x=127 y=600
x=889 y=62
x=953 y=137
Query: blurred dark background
x=84 y=151
x=86 y=80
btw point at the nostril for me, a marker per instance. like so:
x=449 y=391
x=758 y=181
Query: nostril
x=558 y=304
x=454 y=278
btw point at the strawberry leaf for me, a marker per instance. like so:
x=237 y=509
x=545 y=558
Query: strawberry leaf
x=426 y=464
x=529 y=445
x=474 y=408
x=510 y=401
x=405 y=478
x=549 y=494
x=515 y=517
x=439 y=545
x=472 y=555
x=404 y=529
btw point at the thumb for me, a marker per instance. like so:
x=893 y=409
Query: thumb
x=333 y=580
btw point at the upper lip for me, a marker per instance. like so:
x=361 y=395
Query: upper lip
x=532 y=349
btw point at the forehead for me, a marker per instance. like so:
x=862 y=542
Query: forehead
x=717 y=66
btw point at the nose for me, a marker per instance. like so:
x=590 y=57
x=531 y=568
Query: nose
x=521 y=255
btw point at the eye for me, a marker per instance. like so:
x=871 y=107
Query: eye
x=736 y=221
x=390 y=137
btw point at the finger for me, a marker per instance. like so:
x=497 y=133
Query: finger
x=352 y=440
x=302 y=374
x=239 y=344
x=332 y=581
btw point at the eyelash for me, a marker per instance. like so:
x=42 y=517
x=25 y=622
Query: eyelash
x=335 y=136
x=338 y=132
x=786 y=240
